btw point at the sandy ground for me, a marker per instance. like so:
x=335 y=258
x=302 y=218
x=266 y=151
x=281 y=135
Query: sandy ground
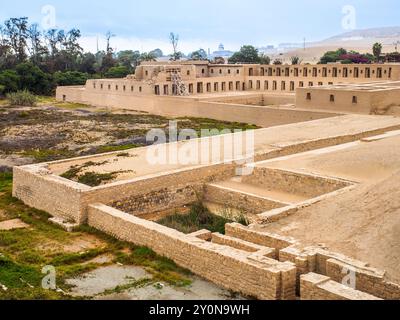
x=101 y=283
x=363 y=223
x=12 y=225
x=137 y=164
x=359 y=161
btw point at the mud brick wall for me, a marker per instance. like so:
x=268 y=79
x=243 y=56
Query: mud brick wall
x=242 y=201
x=288 y=181
x=319 y=287
x=368 y=280
x=261 y=238
x=159 y=200
x=41 y=190
x=225 y=266
x=161 y=190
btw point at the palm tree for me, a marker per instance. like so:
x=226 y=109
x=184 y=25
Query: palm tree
x=377 y=51
x=295 y=60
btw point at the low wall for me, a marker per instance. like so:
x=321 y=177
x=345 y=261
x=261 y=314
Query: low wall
x=38 y=189
x=191 y=107
x=259 y=99
x=242 y=201
x=337 y=266
x=306 y=185
x=367 y=279
x=268 y=240
x=159 y=192
x=228 y=267
x=319 y=287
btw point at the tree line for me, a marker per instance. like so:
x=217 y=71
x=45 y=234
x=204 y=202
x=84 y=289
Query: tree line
x=38 y=60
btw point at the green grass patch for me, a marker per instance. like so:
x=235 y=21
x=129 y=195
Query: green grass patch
x=52 y=101
x=199 y=124
x=106 y=149
x=197 y=219
x=24 y=252
x=46 y=155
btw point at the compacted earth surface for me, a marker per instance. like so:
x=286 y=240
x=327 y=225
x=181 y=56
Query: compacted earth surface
x=55 y=130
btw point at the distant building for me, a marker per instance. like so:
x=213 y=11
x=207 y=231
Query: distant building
x=226 y=54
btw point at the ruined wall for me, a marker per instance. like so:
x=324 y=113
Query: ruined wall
x=245 y=202
x=59 y=197
x=319 y=287
x=191 y=107
x=367 y=279
x=225 y=266
x=162 y=191
x=306 y=185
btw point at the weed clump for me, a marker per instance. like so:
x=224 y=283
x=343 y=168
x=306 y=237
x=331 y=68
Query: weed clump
x=197 y=219
x=22 y=98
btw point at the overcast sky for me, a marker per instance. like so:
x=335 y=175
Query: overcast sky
x=145 y=25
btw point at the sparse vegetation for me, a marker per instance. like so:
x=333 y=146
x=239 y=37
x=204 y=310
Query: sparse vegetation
x=21 y=98
x=25 y=251
x=197 y=219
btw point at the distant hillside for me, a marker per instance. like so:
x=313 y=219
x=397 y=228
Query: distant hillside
x=387 y=32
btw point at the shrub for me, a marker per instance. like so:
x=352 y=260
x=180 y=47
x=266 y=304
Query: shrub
x=117 y=72
x=9 y=81
x=70 y=78
x=32 y=78
x=22 y=98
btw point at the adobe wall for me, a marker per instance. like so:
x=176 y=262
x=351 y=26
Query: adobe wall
x=367 y=279
x=228 y=267
x=306 y=185
x=367 y=101
x=247 y=203
x=319 y=287
x=320 y=99
x=190 y=107
x=337 y=266
x=36 y=188
x=158 y=192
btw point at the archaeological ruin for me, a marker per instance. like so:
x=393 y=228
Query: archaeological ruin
x=307 y=181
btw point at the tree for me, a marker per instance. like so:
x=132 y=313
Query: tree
x=16 y=29
x=87 y=63
x=9 y=81
x=295 y=60
x=264 y=59
x=37 y=49
x=174 y=40
x=157 y=53
x=332 y=56
x=377 y=51
x=277 y=62
x=70 y=78
x=247 y=54
x=117 y=72
x=147 y=56
x=129 y=59
x=33 y=79
x=200 y=54
x=109 y=35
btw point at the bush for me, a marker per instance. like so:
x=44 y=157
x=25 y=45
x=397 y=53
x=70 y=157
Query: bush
x=70 y=78
x=117 y=72
x=22 y=98
x=32 y=78
x=9 y=81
